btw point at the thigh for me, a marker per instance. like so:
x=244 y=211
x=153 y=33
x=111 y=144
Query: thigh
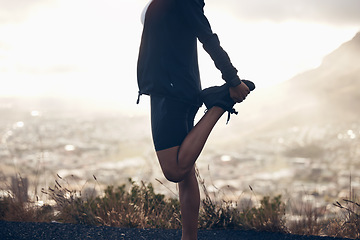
x=171 y=121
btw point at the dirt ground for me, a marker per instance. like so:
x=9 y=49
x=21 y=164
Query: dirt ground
x=54 y=231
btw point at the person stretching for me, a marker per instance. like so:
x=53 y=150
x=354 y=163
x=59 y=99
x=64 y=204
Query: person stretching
x=167 y=71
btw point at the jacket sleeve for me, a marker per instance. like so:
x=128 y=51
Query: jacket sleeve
x=193 y=12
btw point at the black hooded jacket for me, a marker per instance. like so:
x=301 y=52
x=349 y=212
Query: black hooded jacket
x=168 y=61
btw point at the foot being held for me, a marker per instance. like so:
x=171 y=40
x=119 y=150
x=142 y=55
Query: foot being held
x=220 y=96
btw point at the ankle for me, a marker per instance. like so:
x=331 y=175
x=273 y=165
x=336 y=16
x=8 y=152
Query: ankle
x=216 y=110
x=189 y=236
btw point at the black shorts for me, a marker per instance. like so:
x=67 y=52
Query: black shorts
x=171 y=121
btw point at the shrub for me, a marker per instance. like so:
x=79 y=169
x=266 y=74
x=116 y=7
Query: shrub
x=269 y=216
x=137 y=207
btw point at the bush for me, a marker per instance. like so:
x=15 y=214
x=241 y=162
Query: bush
x=269 y=216
x=138 y=207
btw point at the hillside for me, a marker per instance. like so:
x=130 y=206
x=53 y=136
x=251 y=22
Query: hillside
x=334 y=85
x=327 y=94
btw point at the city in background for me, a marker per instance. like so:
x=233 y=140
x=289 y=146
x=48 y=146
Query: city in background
x=68 y=95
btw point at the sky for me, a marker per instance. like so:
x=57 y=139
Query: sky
x=88 y=49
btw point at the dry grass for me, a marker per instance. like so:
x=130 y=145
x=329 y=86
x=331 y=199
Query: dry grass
x=136 y=205
x=130 y=206
x=349 y=224
x=15 y=205
x=226 y=214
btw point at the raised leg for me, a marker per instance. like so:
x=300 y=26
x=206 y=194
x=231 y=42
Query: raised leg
x=177 y=162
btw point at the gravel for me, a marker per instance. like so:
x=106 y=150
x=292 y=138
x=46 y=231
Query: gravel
x=53 y=231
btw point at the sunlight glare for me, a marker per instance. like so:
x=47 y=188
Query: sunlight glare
x=273 y=52
x=89 y=49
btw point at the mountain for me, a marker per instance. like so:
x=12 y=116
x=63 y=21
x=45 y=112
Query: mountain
x=327 y=93
x=336 y=82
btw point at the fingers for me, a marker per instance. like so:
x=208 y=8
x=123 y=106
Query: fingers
x=239 y=93
x=244 y=86
x=238 y=99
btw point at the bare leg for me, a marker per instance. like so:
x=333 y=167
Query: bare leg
x=189 y=203
x=177 y=162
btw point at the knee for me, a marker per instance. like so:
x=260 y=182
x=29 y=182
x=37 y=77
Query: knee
x=174 y=176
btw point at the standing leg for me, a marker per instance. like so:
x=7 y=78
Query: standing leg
x=189 y=204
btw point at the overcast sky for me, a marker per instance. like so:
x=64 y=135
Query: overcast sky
x=342 y=12
x=89 y=48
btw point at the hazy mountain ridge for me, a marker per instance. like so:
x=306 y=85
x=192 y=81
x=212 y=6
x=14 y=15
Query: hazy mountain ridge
x=336 y=81
x=327 y=93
